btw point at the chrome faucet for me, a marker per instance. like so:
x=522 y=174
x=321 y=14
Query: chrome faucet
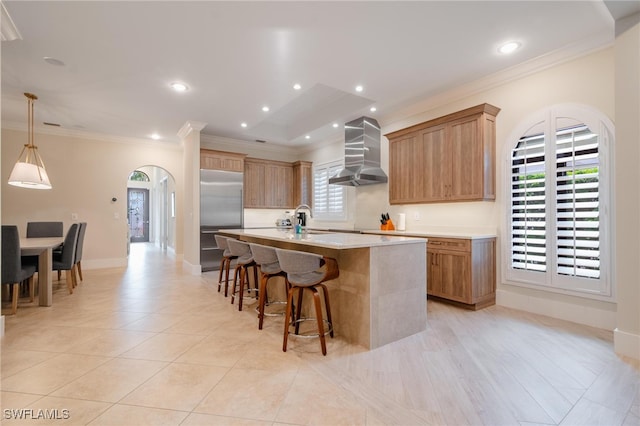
x=302 y=206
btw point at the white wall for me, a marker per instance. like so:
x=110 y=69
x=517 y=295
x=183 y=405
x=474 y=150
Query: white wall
x=627 y=246
x=86 y=173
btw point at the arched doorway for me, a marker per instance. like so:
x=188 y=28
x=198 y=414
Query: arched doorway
x=151 y=207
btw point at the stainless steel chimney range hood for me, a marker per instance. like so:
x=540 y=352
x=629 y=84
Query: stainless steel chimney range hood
x=361 y=154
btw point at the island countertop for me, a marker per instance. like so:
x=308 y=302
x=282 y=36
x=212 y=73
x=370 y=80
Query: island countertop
x=325 y=239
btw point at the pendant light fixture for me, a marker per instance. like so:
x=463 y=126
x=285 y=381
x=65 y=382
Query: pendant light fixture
x=29 y=171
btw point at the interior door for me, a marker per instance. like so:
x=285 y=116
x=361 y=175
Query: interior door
x=138 y=208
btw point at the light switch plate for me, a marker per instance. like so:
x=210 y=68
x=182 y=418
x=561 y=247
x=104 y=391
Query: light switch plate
x=74 y=216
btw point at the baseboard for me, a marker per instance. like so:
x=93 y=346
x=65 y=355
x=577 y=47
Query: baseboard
x=580 y=314
x=191 y=268
x=627 y=344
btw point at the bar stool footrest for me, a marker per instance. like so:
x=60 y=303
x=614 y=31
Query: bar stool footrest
x=305 y=335
x=272 y=314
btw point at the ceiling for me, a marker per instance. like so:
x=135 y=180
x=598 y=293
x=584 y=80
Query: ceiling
x=236 y=57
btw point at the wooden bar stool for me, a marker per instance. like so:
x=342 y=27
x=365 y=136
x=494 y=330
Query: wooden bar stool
x=244 y=261
x=225 y=262
x=307 y=271
x=267 y=260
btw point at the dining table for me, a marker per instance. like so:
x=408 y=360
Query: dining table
x=43 y=248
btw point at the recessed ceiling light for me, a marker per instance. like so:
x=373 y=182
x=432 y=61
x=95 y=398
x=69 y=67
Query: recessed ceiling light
x=265 y=108
x=297 y=86
x=155 y=136
x=335 y=125
x=307 y=137
x=53 y=61
x=359 y=88
x=509 y=47
x=179 y=87
x=373 y=109
x=243 y=124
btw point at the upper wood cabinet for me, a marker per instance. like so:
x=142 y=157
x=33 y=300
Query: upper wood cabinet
x=220 y=160
x=451 y=158
x=268 y=184
x=302 y=183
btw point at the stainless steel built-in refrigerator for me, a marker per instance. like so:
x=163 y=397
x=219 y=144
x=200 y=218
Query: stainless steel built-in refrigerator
x=220 y=207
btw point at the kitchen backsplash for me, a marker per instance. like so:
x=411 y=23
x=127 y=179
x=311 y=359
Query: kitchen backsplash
x=258 y=218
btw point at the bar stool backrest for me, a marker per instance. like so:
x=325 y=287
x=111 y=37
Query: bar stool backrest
x=240 y=249
x=266 y=257
x=221 y=242
x=298 y=262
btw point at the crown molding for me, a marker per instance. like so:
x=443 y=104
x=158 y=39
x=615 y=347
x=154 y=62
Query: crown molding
x=190 y=126
x=89 y=136
x=8 y=30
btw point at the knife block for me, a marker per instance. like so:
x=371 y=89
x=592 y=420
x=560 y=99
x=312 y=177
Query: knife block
x=388 y=226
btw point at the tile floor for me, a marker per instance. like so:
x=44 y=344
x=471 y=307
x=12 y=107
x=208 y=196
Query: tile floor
x=150 y=344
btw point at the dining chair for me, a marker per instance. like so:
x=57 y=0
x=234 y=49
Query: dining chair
x=78 y=255
x=41 y=230
x=44 y=229
x=13 y=271
x=65 y=259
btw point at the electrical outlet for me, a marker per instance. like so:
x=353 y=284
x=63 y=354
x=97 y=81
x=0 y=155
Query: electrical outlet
x=416 y=216
x=74 y=216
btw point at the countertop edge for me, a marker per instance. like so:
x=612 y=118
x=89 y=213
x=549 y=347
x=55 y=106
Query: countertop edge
x=398 y=239
x=427 y=234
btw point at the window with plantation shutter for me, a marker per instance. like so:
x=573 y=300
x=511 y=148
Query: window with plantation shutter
x=328 y=200
x=558 y=210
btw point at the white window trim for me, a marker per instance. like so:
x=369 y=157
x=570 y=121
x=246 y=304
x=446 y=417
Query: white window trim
x=600 y=124
x=323 y=216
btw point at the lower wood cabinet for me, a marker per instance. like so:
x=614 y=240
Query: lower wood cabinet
x=462 y=271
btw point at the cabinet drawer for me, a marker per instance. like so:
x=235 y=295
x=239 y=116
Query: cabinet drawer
x=449 y=244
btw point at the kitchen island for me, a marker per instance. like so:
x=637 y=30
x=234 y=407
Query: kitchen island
x=380 y=295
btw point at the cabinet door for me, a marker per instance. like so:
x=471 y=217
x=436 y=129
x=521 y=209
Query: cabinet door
x=302 y=183
x=467 y=178
x=219 y=160
x=434 y=282
x=278 y=184
x=254 y=185
x=434 y=163
x=402 y=169
x=455 y=275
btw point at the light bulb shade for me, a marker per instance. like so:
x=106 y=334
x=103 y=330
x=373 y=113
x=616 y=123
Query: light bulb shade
x=29 y=175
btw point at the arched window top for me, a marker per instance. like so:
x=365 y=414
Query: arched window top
x=139 y=176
